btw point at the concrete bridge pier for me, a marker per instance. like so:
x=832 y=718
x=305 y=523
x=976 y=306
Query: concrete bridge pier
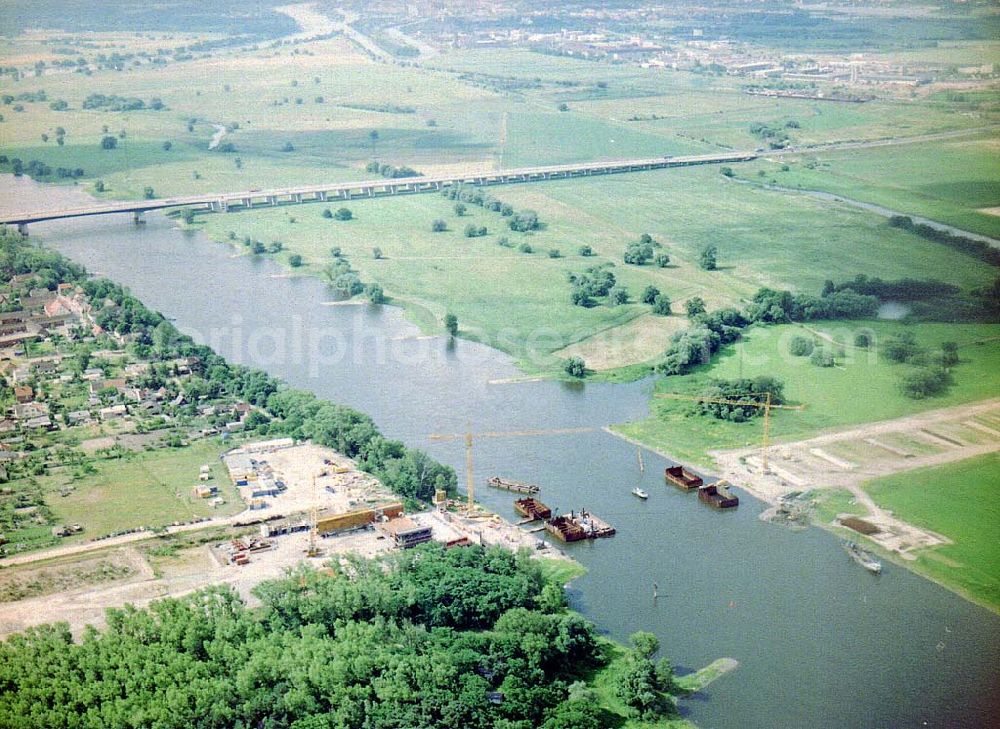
x=139 y=217
x=22 y=228
x=271 y=199
x=322 y=196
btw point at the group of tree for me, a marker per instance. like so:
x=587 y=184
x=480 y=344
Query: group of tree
x=340 y=214
x=927 y=372
x=391 y=171
x=644 y=250
x=433 y=638
x=708 y=258
x=660 y=302
x=594 y=283
x=644 y=687
x=575 y=367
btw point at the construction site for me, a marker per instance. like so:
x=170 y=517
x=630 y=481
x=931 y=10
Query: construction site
x=305 y=503
x=783 y=473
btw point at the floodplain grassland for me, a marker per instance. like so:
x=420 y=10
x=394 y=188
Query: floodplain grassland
x=146 y=488
x=956 y=501
x=961 y=191
x=861 y=388
x=504 y=297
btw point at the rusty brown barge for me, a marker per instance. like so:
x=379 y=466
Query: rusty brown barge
x=532 y=509
x=574 y=527
x=511 y=485
x=718 y=495
x=682 y=478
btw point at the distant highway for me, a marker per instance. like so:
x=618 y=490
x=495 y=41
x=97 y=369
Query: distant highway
x=250 y=199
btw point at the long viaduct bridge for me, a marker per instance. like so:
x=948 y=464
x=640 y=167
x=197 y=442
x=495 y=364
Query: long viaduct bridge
x=252 y=199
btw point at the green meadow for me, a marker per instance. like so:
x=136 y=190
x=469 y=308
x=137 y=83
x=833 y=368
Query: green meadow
x=861 y=388
x=952 y=181
x=955 y=501
x=148 y=488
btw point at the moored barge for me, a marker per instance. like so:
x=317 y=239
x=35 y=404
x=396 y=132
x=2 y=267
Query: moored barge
x=718 y=495
x=510 y=485
x=574 y=527
x=532 y=509
x=682 y=478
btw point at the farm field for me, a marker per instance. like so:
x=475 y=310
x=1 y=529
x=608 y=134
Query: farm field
x=151 y=488
x=963 y=185
x=953 y=501
x=853 y=392
x=307 y=114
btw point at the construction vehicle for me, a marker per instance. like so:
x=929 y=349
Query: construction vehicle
x=767 y=406
x=469 y=437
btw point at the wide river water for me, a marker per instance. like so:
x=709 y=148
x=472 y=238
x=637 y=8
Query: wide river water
x=821 y=643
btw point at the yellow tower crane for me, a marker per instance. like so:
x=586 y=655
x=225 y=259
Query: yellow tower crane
x=767 y=406
x=469 y=437
x=313 y=549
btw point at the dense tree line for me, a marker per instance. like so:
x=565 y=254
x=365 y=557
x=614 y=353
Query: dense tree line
x=744 y=390
x=113 y=102
x=709 y=331
x=976 y=248
x=283 y=411
x=522 y=221
x=470 y=638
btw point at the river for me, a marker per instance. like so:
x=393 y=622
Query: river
x=821 y=643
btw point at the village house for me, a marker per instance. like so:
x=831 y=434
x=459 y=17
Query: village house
x=45 y=367
x=79 y=417
x=43 y=422
x=7 y=426
x=136 y=369
x=30 y=410
x=23 y=394
x=113 y=412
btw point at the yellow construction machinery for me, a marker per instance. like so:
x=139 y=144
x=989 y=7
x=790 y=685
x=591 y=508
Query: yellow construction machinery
x=469 y=437
x=767 y=406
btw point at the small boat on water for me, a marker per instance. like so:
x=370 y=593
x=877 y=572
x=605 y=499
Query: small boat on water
x=863 y=557
x=640 y=493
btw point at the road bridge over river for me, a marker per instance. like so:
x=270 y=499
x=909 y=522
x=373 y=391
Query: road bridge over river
x=250 y=199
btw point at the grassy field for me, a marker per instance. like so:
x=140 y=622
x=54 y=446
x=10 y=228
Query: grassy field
x=858 y=391
x=955 y=501
x=151 y=488
x=509 y=298
x=965 y=179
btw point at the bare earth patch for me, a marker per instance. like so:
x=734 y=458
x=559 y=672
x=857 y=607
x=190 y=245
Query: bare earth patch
x=640 y=340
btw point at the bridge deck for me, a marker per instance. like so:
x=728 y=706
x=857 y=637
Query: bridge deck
x=370 y=188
